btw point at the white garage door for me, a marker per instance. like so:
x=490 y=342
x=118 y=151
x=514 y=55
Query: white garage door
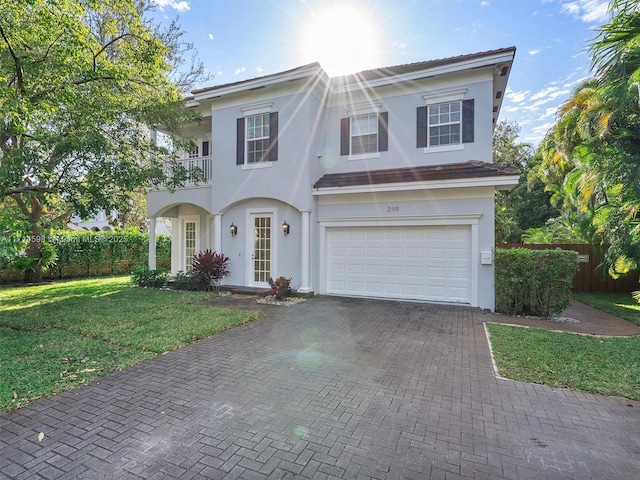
x=421 y=263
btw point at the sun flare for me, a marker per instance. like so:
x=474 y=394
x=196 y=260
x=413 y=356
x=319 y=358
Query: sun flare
x=343 y=37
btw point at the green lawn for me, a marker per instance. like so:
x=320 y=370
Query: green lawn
x=54 y=337
x=622 y=305
x=609 y=366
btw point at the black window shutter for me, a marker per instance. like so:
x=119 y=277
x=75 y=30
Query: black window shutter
x=422 y=128
x=383 y=131
x=273 y=136
x=205 y=148
x=240 y=141
x=467 y=121
x=344 y=136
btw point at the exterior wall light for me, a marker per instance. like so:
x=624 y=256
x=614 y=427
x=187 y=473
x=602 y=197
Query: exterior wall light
x=286 y=228
x=233 y=229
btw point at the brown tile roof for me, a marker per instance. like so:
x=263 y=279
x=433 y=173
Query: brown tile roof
x=386 y=72
x=366 y=75
x=263 y=77
x=449 y=171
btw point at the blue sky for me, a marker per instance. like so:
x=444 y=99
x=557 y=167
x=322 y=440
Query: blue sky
x=240 y=39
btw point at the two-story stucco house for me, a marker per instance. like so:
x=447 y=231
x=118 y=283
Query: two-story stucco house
x=377 y=184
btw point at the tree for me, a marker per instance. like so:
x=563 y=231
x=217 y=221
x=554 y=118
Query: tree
x=527 y=205
x=591 y=159
x=85 y=82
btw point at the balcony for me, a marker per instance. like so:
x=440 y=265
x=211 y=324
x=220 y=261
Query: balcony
x=199 y=170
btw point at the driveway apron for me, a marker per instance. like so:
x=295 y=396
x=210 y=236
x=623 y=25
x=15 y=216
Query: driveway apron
x=327 y=388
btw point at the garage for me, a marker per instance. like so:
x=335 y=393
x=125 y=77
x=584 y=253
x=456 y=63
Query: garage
x=431 y=263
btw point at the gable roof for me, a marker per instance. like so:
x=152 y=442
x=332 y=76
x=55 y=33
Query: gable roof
x=303 y=68
x=397 y=70
x=502 y=57
x=472 y=169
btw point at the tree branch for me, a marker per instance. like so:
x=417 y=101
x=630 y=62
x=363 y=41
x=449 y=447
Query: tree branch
x=13 y=192
x=16 y=60
x=107 y=45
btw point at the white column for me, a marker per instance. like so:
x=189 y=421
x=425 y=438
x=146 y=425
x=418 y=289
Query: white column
x=305 y=247
x=217 y=232
x=152 y=243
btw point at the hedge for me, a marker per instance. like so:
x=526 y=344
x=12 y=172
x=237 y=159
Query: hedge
x=534 y=282
x=90 y=254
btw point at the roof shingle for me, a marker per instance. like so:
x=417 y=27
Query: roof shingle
x=449 y=171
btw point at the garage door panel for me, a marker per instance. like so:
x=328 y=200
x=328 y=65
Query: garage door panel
x=423 y=263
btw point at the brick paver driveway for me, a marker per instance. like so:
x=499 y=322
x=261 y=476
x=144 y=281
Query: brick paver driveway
x=329 y=388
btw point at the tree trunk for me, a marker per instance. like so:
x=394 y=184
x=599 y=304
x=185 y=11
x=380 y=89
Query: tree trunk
x=34 y=251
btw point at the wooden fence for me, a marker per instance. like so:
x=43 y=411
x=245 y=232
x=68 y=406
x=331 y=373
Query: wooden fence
x=588 y=279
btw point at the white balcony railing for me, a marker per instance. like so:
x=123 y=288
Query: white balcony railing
x=199 y=170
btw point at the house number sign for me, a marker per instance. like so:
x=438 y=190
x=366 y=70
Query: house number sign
x=394 y=209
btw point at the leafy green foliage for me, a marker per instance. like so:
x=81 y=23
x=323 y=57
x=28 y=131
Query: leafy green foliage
x=534 y=282
x=608 y=366
x=185 y=281
x=591 y=157
x=83 y=85
x=143 y=277
x=528 y=204
x=82 y=254
x=280 y=287
x=56 y=336
x=210 y=268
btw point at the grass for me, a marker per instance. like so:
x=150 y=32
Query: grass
x=57 y=336
x=608 y=366
x=622 y=305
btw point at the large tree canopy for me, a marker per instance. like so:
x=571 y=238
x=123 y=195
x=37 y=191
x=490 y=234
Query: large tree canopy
x=84 y=83
x=527 y=205
x=591 y=158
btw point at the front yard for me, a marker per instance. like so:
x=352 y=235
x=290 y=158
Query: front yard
x=609 y=366
x=57 y=336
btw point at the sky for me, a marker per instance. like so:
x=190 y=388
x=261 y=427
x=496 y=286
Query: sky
x=242 y=39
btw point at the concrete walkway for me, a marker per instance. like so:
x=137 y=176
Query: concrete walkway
x=328 y=388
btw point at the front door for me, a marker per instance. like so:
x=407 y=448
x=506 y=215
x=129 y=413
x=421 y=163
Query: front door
x=262 y=257
x=190 y=244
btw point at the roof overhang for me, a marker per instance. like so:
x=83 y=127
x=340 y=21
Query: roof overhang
x=468 y=174
x=313 y=70
x=501 y=183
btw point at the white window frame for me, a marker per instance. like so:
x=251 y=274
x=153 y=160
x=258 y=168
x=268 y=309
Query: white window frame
x=183 y=243
x=249 y=112
x=442 y=97
x=250 y=214
x=353 y=120
x=447 y=123
x=261 y=133
x=361 y=110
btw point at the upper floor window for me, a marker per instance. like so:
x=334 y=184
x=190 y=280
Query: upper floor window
x=444 y=124
x=257 y=136
x=362 y=135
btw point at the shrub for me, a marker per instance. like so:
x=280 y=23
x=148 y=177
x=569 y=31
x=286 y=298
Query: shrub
x=209 y=269
x=143 y=277
x=185 y=281
x=534 y=282
x=280 y=287
x=84 y=254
